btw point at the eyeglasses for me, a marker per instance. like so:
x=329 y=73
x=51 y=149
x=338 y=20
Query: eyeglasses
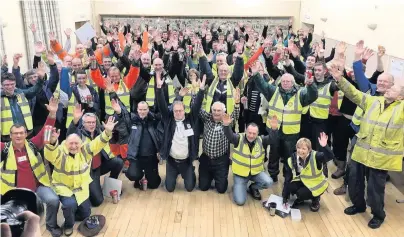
x=91 y=122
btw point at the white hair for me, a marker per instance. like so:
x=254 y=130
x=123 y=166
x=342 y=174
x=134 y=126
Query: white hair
x=221 y=105
x=86 y=115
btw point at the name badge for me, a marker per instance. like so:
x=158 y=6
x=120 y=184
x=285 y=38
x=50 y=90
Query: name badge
x=218 y=128
x=188 y=132
x=21 y=158
x=134 y=127
x=225 y=87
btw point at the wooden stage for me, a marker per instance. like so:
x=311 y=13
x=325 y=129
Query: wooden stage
x=157 y=213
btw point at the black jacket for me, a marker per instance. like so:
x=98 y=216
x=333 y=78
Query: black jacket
x=322 y=157
x=135 y=125
x=169 y=124
x=96 y=100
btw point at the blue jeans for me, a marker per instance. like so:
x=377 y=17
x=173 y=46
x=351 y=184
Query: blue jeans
x=72 y=212
x=260 y=181
x=51 y=200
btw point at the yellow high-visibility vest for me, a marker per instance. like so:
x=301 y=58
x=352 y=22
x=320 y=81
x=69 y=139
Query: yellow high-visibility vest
x=107 y=150
x=229 y=96
x=150 y=94
x=71 y=175
x=9 y=170
x=288 y=115
x=320 y=108
x=7 y=116
x=124 y=96
x=246 y=162
x=357 y=117
x=310 y=176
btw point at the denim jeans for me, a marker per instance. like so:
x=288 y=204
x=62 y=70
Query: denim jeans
x=260 y=181
x=51 y=200
x=73 y=212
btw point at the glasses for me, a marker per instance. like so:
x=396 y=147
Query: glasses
x=91 y=122
x=18 y=133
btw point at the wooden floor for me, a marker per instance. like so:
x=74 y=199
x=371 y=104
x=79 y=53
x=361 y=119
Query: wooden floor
x=156 y=213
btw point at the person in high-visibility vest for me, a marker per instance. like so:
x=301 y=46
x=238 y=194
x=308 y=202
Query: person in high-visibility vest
x=82 y=94
x=103 y=162
x=71 y=173
x=304 y=173
x=22 y=166
x=379 y=146
x=384 y=81
x=248 y=158
x=14 y=103
x=286 y=101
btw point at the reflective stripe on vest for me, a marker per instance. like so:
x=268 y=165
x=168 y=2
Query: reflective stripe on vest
x=340 y=97
x=229 y=96
x=124 y=96
x=310 y=176
x=246 y=162
x=7 y=116
x=380 y=138
x=357 y=117
x=288 y=115
x=106 y=148
x=320 y=108
x=8 y=172
x=150 y=95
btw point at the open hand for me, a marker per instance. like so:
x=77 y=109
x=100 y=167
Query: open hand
x=273 y=122
x=227 y=119
x=323 y=139
x=367 y=54
x=68 y=32
x=184 y=91
x=52 y=107
x=109 y=126
x=55 y=135
x=380 y=51
x=115 y=106
x=39 y=48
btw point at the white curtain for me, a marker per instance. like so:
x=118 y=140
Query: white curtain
x=45 y=15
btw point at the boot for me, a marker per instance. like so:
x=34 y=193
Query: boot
x=340 y=170
x=341 y=190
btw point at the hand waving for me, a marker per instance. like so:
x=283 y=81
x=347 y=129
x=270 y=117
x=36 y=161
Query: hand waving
x=77 y=113
x=52 y=107
x=109 y=126
x=227 y=120
x=39 y=48
x=55 y=135
x=323 y=139
x=236 y=95
x=367 y=54
x=273 y=122
x=184 y=91
x=115 y=106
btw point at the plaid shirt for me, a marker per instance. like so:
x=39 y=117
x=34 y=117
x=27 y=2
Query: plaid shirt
x=215 y=143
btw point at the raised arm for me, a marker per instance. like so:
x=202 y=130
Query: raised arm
x=133 y=75
x=233 y=137
x=96 y=76
x=263 y=87
x=161 y=102
x=308 y=94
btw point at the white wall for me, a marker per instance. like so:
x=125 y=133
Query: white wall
x=348 y=20
x=13 y=33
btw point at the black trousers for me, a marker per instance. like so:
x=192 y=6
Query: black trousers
x=252 y=117
x=305 y=126
x=339 y=129
x=144 y=166
x=114 y=166
x=214 y=169
x=283 y=149
x=175 y=167
x=318 y=127
x=301 y=191
x=375 y=188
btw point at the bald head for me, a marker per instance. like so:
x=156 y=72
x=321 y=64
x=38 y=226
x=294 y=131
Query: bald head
x=146 y=59
x=76 y=64
x=80 y=49
x=384 y=82
x=223 y=71
x=158 y=65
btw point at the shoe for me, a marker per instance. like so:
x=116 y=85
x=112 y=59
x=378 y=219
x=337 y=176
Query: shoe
x=341 y=190
x=55 y=232
x=255 y=193
x=315 y=204
x=274 y=179
x=352 y=210
x=68 y=231
x=340 y=170
x=297 y=203
x=375 y=223
x=388 y=178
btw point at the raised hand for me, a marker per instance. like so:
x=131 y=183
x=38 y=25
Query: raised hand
x=109 y=126
x=367 y=54
x=68 y=32
x=52 y=36
x=203 y=82
x=77 y=113
x=227 y=119
x=236 y=95
x=55 y=135
x=380 y=51
x=16 y=59
x=115 y=106
x=51 y=58
x=273 y=122
x=109 y=87
x=52 y=107
x=184 y=91
x=137 y=54
x=341 y=48
x=323 y=139
x=336 y=71
x=4 y=61
x=39 y=48
x=41 y=70
x=159 y=80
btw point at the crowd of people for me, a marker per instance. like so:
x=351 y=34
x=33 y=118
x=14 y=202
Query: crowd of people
x=137 y=95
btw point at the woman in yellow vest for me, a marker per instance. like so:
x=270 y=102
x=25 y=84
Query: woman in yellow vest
x=304 y=173
x=71 y=173
x=248 y=158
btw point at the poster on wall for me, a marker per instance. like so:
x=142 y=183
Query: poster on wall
x=397 y=69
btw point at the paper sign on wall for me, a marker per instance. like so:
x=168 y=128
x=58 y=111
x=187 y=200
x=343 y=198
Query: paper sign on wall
x=397 y=68
x=85 y=33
